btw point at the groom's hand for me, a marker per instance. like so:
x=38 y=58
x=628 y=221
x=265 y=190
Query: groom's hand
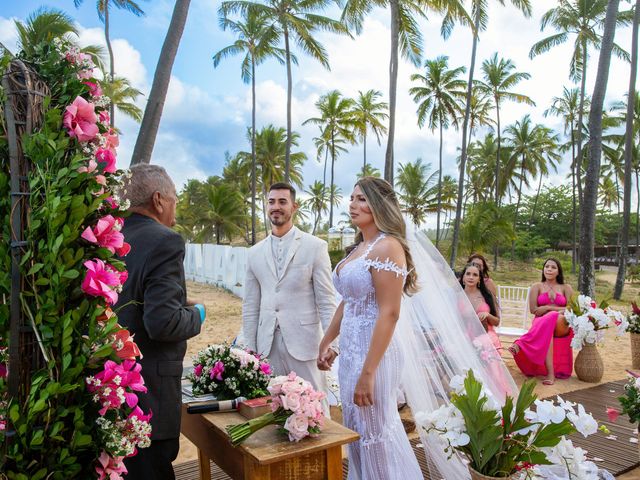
x=326 y=358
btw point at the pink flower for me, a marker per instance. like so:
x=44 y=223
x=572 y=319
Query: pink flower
x=297 y=426
x=103 y=117
x=89 y=168
x=94 y=88
x=291 y=401
x=109 y=467
x=613 y=414
x=265 y=368
x=80 y=120
x=102 y=280
x=124 y=345
x=111 y=203
x=111 y=140
x=216 y=371
x=108 y=158
x=107 y=235
x=197 y=370
x=115 y=385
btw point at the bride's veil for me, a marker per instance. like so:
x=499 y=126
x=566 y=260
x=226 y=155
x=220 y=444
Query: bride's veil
x=442 y=337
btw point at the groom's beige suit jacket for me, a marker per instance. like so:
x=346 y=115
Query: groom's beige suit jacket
x=302 y=302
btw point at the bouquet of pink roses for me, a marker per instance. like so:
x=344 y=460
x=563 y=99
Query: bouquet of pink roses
x=295 y=408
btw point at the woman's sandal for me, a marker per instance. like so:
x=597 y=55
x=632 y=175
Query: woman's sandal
x=514 y=349
x=548 y=381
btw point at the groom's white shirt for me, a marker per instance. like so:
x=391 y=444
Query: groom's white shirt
x=301 y=300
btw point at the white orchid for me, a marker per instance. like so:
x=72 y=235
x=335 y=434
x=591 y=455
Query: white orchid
x=583 y=421
x=457 y=383
x=548 y=412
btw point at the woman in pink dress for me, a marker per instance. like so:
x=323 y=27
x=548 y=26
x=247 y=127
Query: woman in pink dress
x=481 y=262
x=534 y=351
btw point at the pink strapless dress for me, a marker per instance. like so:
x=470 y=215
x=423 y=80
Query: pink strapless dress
x=493 y=359
x=535 y=343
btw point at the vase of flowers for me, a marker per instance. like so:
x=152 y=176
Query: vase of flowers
x=295 y=409
x=504 y=442
x=228 y=372
x=634 y=332
x=588 y=322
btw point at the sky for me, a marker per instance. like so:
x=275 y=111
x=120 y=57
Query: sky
x=208 y=109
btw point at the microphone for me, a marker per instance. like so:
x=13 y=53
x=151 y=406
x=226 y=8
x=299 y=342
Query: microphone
x=214 y=405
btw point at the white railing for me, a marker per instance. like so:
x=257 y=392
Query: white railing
x=220 y=265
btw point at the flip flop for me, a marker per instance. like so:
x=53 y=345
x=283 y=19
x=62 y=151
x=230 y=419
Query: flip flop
x=547 y=381
x=514 y=349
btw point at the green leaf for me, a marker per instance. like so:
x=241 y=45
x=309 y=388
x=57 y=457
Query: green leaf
x=37 y=438
x=82 y=440
x=35 y=268
x=71 y=274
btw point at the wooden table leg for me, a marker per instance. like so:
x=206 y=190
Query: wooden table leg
x=204 y=466
x=334 y=463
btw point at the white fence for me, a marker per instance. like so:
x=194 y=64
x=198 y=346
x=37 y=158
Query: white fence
x=220 y=265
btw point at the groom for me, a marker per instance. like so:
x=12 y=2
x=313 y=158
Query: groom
x=289 y=299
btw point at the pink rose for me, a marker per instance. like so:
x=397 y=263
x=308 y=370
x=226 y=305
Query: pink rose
x=106 y=234
x=102 y=280
x=108 y=158
x=297 y=426
x=291 y=401
x=94 y=88
x=109 y=467
x=613 y=414
x=80 y=120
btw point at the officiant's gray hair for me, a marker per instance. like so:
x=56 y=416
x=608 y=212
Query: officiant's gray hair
x=145 y=179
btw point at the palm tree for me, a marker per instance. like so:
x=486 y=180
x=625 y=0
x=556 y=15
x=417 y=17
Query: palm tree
x=406 y=38
x=368 y=171
x=224 y=214
x=414 y=183
x=367 y=113
x=123 y=96
x=480 y=112
x=533 y=150
x=566 y=107
x=485 y=224
x=296 y=21
x=155 y=103
x=586 y=280
x=498 y=80
x=608 y=192
x=336 y=122
x=582 y=18
x=324 y=146
x=480 y=20
x=103 y=6
x=318 y=202
x=628 y=158
x=256 y=39
x=438 y=104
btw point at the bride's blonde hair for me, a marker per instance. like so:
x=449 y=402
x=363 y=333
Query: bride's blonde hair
x=387 y=216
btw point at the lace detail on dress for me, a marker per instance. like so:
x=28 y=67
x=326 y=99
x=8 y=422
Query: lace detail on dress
x=387 y=265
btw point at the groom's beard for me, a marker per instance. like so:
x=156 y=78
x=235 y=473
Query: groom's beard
x=280 y=219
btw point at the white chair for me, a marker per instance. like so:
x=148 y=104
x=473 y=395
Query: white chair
x=514 y=310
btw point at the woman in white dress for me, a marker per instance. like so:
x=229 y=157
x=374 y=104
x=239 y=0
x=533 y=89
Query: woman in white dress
x=372 y=279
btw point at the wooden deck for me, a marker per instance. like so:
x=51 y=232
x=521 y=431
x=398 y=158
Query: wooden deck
x=617 y=455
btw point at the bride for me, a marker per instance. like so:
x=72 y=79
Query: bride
x=404 y=324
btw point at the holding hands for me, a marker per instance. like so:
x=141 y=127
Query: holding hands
x=326 y=357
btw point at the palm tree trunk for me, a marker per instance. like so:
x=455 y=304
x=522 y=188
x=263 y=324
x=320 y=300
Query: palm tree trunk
x=253 y=150
x=107 y=39
x=579 y=160
x=628 y=159
x=393 y=86
x=586 y=281
x=574 y=249
x=463 y=154
x=535 y=200
x=264 y=210
x=497 y=100
x=638 y=215
x=515 y=216
x=439 y=188
x=287 y=153
x=332 y=190
x=364 y=141
x=153 y=111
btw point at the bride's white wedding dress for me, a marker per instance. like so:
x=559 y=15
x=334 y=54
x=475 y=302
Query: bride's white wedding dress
x=383 y=451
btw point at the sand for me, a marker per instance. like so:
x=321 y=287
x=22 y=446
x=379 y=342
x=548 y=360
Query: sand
x=224 y=316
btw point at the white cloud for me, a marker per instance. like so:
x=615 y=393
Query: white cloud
x=8 y=33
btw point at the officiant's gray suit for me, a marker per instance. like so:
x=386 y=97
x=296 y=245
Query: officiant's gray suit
x=287 y=307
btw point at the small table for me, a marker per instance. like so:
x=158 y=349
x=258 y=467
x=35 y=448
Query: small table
x=267 y=454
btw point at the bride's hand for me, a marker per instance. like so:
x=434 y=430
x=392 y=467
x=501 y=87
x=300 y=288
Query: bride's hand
x=325 y=359
x=363 y=394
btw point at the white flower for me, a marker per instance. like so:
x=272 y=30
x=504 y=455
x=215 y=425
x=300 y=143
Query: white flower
x=547 y=412
x=583 y=421
x=584 y=302
x=457 y=383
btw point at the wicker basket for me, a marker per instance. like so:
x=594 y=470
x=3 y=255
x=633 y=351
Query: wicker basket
x=478 y=476
x=588 y=365
x=635 y=350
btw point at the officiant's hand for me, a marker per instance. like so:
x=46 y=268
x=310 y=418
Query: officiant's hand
x=326 y=358
x=363 y=394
